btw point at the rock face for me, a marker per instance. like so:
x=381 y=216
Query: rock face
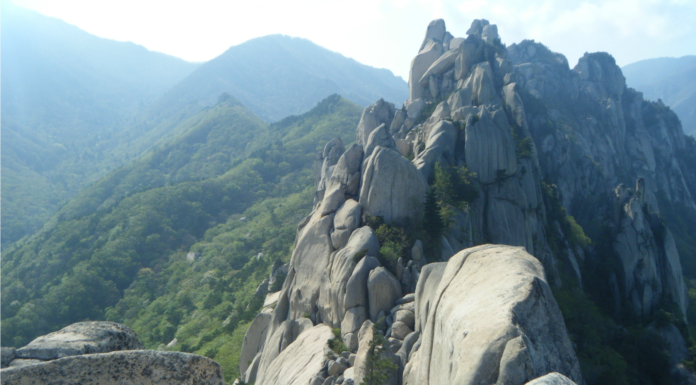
x=300 y=360
x=392 y=187
x=373 y=116
x=647 y=253
x=254 y=339
x=81 y=338
x=134 y=367
x=493 y=320
x=8 y=354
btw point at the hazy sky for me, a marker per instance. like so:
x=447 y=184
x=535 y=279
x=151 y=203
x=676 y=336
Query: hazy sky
x=386 y=33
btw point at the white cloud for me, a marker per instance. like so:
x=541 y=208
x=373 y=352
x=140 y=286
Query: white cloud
x=386 y=33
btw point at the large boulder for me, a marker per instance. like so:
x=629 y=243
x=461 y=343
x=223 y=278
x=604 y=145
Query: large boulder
x=438 y=149
x=490 y=147
x=380 y=136
x=493 y=318
x=346 y=220
x=309 y=261
x=81 y=338
x=442 y=64
x=347 y=170
x=299 y=361
x=117 y=368
x=382 y=289
x=372 y=117
x=335 y=279
x=392 y=188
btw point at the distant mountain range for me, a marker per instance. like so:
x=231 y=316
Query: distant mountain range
x=76 y=106
x=671 y=79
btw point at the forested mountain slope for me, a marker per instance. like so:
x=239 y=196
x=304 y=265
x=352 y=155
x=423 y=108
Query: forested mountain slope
x=127 y=261
x=671 y=79
x=65 y=93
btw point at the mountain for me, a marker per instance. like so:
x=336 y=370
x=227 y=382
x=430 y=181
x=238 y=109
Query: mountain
x=226 y=164
x=671 y=79
x=65 y=94
x=76 y=106
x=277 y=76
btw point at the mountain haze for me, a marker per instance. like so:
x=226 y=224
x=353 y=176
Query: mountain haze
x=671 y=79
x=76 y=106
x=65 y=94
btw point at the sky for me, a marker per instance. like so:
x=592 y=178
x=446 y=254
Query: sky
x=386 y=33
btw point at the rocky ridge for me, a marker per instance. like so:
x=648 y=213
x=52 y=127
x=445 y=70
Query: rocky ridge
x=335 y=278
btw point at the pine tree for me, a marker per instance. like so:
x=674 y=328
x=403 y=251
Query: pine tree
x=378 y=368
x=432 y=218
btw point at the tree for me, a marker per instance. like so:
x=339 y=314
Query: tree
x=432 y=218
x=378 y=368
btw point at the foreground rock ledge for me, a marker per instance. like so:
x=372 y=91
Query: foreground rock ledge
x=143 y=367
x=492 y=320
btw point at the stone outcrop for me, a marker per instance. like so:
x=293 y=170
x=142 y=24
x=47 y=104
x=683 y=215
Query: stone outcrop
x=81 y=338
x=373 y=116
x=493 y=319
x=134 y=367
x=392 y=187
x=300 y=360
x=101 y=352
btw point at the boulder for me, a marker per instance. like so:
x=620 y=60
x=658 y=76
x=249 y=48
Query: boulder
x=254 y=339
x=347 y=219
x=552 y=379
x=300 y=361
x=414 y=108
x=356 y=288
x=122 y=367
x=372 y=117
x=428 y=54
x=436 y=31
x=382 y=290
x=438 y=149
x=406 y=317
x=347 y=170
x=442 y=64
x=471 y=52
x=392 y=188
x=310 y=259
x=459 y=99
x=334 y=280
x=334 y=197
x=493 y=318
x=481 y=84
x=6 y=356
x=338 y=367
x=400 y=330
x=417 y=250
x=489 y=147
x=489 y=34
x=81 y=338
x=380 y=136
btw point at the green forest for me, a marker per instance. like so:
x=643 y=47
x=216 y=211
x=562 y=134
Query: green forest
x=126 y=261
